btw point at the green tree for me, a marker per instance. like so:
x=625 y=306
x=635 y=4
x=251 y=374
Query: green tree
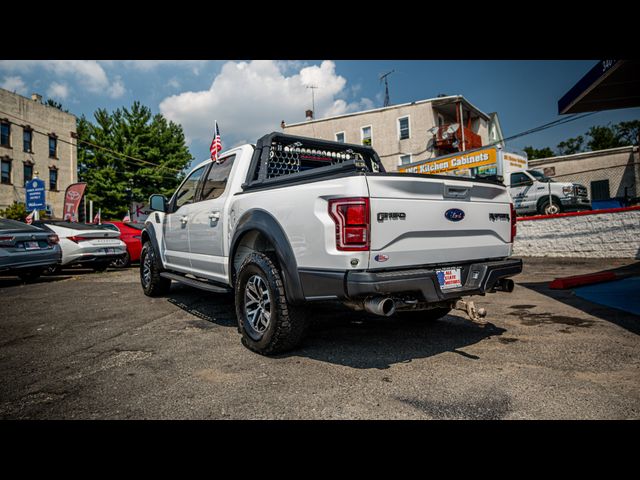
x=603 y=137
x=533 y=153
x=54 y=104
x=18 y=211
x=128 y=155
x=628 y=132
x=571 y=145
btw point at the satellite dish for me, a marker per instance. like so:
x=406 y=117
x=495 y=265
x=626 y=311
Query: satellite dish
x=453 y=128
x=433 y=130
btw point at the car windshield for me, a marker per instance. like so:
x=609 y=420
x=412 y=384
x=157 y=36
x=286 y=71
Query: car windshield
x=540 y=176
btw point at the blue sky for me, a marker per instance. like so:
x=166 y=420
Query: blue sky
x=250 y=98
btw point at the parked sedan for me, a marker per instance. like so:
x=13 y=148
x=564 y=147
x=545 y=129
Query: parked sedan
x=26 y=250
x=90 y=245
x=130 y=234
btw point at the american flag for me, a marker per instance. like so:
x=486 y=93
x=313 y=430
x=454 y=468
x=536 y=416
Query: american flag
x=216 y=144
x=29 y=218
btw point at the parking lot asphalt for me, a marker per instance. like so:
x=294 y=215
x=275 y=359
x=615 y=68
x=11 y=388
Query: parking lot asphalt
x=89 y=345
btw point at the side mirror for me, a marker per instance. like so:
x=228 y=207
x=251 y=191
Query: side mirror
x=158 y=203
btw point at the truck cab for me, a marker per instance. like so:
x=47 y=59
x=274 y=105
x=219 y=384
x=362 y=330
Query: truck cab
x=535 y=193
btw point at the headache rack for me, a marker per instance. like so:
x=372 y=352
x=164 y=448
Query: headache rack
x=280 y=158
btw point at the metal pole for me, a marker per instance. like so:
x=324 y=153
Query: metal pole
x=84 y=208
x=91 y=210
x=550 y=199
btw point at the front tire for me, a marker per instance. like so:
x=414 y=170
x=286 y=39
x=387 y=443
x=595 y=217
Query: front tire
x=267 y=322
x=550 y=208
x=153 y=285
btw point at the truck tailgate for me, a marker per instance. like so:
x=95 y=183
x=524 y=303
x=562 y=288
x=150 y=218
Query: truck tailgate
x=426 y=234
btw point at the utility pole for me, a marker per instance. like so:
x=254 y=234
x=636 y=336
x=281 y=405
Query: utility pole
x=313 y=98
x=386 y=87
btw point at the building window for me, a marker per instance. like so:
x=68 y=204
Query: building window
x=600 y=190
x=366 y=135
x=405 y=159
x=403 y=128
x=5 y=134
x=53 y=146
x=27 y=140
x=6 y=172
x=28 y=172
x=53 y=179
x=340 y=137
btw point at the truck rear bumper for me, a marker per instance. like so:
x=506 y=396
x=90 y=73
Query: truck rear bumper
x=477 y=278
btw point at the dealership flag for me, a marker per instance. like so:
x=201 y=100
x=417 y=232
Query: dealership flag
x=127 y=218
x=29 y=218
x=96 y=219
x=72 y=197
x=216 y=144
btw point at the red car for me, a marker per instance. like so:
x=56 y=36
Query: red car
x=130 y=235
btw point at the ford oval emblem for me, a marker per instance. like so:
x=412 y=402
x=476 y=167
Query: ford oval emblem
x=381 y=258
x=454 y=214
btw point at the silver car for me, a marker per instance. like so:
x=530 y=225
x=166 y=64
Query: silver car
x=90 y=245
x=26 y=250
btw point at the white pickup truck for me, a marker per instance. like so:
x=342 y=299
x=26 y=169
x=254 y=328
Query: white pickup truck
x=293 y=220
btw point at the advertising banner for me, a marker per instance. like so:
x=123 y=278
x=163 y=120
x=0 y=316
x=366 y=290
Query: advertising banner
x=72 y=197
x=140 y=212
x=458 y=164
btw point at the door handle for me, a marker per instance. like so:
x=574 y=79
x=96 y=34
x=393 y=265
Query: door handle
x=214 y=216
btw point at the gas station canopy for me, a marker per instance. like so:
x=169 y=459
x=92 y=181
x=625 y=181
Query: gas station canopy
x=609 y=85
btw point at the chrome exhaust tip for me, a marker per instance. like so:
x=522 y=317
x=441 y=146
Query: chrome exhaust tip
x=383 y=306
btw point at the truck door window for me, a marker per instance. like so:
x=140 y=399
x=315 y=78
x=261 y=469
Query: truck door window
x=216 y=181
x=519 y=180
x=186 y=194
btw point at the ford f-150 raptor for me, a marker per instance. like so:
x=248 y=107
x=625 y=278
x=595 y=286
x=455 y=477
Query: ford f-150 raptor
x=292 y=220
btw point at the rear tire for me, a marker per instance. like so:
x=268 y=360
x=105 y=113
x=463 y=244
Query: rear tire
x=267 y=322
x=425 y=315
x=30 y=275
x=153 y=285
x=122 y=262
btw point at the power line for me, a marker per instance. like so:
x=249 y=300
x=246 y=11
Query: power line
x=119 y=154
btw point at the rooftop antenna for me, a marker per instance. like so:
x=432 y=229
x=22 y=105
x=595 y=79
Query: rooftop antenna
x=386 y=87
x=313 y=98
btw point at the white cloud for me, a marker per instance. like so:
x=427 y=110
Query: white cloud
x=58 y=91
x=250 y=99
x=14 y=84
x=89 y=74
x=116 y=89
x=148 y=65
x=173 y=83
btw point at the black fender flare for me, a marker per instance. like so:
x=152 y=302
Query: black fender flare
x=263 y=222
x=150 y=234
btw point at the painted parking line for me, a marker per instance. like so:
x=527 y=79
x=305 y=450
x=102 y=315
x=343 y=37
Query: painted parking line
x=621 y=294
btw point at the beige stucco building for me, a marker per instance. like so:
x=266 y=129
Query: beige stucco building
x=409 y=132
x=35 y=138
x=607 y=174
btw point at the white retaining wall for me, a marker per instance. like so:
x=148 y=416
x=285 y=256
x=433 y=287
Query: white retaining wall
x=603 y=235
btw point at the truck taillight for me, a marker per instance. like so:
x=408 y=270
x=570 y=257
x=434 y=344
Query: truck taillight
x=513 y=223
x=351 y=216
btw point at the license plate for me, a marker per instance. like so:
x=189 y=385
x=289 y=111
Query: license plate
x=31 y=246
x=109 y=250
x=449 y=278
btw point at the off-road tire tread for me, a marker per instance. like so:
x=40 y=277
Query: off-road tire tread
x=158 y=285
x=290 y=321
